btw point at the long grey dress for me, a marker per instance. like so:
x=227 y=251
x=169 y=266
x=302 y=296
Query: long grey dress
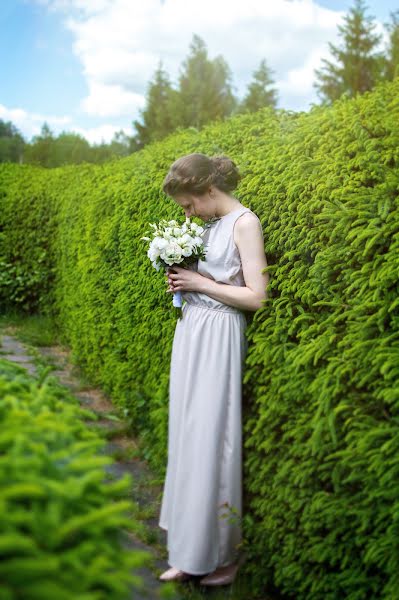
x=204 y=471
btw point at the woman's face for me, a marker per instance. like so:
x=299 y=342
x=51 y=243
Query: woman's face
x=195 y=206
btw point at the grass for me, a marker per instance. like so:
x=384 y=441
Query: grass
x=36 y=330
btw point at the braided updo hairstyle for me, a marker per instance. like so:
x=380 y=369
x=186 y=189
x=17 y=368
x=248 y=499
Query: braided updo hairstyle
x=194 y=173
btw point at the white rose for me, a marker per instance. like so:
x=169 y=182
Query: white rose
x=187 y=251
x=172 y=253
x=160 y=243
x=196 y=229
x=186 y=238
x=153 y=253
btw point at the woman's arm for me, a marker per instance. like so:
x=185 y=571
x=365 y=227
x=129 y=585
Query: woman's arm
x=248 y=237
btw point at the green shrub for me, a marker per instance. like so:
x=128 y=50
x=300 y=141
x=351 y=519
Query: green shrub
x=321 y=392
x=26 y=254
x=60 y=519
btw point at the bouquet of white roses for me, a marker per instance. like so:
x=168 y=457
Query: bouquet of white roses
x=175 y=244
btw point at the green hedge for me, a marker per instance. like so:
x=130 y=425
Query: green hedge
x=60 y=519
x=321 y=392
x=26 y=259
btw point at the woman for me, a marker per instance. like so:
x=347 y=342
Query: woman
x=202 y=497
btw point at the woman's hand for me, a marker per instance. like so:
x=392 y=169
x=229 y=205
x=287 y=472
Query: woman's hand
x=184 y=280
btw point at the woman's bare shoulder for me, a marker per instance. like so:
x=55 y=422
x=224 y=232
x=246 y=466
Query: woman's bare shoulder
x=248 y=223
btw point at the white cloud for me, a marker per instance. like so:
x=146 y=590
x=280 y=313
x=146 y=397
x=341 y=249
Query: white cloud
x=120 y=42
x=299 y=81
x=111 y=101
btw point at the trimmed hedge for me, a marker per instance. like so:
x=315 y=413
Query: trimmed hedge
x=321 y=392
x=60 y=519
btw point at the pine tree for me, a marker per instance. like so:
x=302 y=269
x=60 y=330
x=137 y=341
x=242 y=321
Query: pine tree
x=358 y=65
x=157 y=115
x=392 y=60
x=41 y=148
x=12 y=142
x=260 y=93
x=204 y=92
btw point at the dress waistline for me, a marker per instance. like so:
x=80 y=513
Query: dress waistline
x=231 y=310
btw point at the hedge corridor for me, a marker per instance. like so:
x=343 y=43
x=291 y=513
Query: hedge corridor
x=321 y=382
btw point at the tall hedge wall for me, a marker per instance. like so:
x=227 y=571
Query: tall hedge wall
x=321 y=393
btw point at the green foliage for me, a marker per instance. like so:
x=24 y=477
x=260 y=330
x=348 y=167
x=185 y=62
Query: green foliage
x=157 y=115
x=48 y=150
x=205 y=92
x=11 y=142
x=60 y=519
x=392 y=56
x=27 y=261
x=321 y=439
x=357 y=65
x=260 y=93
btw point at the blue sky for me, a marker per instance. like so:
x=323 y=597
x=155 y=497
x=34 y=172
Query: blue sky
x=83 y=65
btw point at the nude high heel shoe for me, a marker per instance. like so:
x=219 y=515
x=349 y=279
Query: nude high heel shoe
x=174 y=574
x=223 y=575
